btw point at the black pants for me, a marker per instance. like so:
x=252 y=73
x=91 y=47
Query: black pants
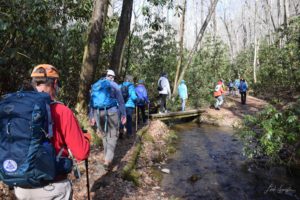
x=243 y=97
x=141 y=108
x=163 y=100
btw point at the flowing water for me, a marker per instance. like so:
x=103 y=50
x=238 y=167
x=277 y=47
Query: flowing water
x=209 y=164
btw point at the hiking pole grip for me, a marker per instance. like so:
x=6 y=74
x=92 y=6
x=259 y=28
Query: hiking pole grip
x=87 y=177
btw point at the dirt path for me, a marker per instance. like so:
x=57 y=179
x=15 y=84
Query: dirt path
x=232 y=111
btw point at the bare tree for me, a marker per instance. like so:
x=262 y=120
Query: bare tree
x=180 y=56
x=255 y=42
x=91 y=53
x=227 y=28
x=199 y=38
x=268 y=10
x=123 y=31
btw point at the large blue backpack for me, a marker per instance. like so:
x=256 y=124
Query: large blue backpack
x=27 y=158
x=101 y=95
x=244 y=86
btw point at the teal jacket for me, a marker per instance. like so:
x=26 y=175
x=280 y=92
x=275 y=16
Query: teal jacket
x=130 y=103
x=182 y=91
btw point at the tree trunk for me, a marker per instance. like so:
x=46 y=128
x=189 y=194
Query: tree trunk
x=91 y=54
x=123 y=31
x=286 y=14
x=255 y=42
x=229 y=36
x=199 y=38
x=268 y=7
x=180 y=57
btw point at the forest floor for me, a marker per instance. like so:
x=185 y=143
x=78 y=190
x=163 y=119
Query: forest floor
x=111 y=185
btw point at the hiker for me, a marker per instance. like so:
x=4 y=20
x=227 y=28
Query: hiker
x=67 y=134
x=142 y=99
x=164 y=92
x=105 y=105
x=129 y=96
x=243 y=90
x=183 y=95
x=218 y=94
x=231 y=88
x=236 y=86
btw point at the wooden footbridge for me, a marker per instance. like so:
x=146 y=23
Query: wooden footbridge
x=177 y=115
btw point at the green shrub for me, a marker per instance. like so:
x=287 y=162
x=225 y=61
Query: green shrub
x=272 y=134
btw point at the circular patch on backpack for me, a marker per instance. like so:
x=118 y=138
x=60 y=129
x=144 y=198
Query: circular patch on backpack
x=8 y=108
x=10 y=165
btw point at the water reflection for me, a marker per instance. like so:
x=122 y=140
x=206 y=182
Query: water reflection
x=209 y=164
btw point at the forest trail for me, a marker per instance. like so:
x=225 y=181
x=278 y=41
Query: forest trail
x=232 y=111
x=111 y=185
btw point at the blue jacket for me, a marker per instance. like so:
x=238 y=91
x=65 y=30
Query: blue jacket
x=243 y=86
x=182 y=91
x=142 y=95
x=132 y=95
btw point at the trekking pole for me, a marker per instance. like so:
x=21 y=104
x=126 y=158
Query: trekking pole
x=87 y=177
x=148 y=111
x=136 y=118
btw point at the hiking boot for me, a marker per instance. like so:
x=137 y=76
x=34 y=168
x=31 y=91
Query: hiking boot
x=217 y=108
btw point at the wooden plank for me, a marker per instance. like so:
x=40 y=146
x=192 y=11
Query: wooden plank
x=177 y=115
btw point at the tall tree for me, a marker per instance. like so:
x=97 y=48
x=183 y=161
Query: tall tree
x=198 y=40
x=255 y=42
x=227 y=28
x=91 y=53
x=180 y=56
x=123 y=31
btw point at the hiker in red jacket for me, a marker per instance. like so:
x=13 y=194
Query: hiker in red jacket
x=218 y=94
x=67 y=134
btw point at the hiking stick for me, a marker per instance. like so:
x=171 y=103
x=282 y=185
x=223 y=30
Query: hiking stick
x=148 y=111
x=87 y=177
x=136 y=118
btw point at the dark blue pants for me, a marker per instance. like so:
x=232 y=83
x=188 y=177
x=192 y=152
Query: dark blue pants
x=129 y=112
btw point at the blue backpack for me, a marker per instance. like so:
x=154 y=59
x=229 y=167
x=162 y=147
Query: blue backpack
x=244 y=87
x=27 y=157
x=101 y=95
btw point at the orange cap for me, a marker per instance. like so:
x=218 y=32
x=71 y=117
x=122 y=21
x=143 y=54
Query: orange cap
x=45 y=70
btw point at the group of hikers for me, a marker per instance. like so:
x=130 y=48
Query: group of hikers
x=40 y=136
x=41 y=139
x=233 y=87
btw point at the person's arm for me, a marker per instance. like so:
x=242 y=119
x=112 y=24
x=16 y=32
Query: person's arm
x=118 y=95
x=168 y=88
x=72 y=134
x=145 y=95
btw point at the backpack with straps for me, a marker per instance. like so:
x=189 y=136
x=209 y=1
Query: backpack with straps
x=101 y=95
x=27 y=157
x=125 y=92
x=159 y=87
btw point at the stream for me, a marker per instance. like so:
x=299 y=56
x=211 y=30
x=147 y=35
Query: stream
x=209 y=165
